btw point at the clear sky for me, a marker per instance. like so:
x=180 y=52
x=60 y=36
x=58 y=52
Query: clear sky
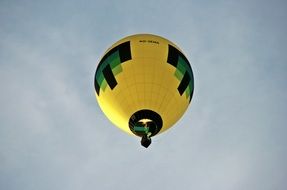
x=53 y=134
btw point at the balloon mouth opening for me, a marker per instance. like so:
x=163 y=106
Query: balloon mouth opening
x=145 y=123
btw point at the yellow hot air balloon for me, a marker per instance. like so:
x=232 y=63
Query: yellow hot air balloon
x=144 y=84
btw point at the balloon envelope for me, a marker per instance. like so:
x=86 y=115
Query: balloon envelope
x=144 y=84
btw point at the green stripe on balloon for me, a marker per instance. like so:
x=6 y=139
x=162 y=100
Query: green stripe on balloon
x=117 y=70
x=114 y=59
x=178 y=74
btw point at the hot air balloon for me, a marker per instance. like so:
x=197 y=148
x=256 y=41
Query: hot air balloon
x=144 y=84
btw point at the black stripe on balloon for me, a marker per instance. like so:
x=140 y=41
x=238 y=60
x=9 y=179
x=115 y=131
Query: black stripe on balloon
x=173 y=54
x=191 y=94
x=125 y=52
x=109 y=76
x=97 y=86
x=183 y=83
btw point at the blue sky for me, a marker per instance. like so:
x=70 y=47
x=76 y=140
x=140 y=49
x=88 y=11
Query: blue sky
x=53 y=134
